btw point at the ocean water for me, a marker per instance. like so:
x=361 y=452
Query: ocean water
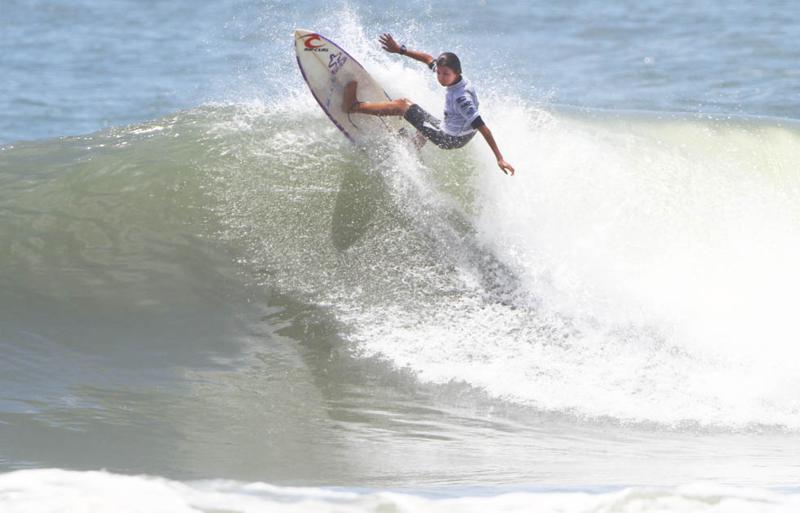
x=211 y=301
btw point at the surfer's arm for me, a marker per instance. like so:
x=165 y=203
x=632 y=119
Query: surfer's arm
x=390 y=45
x=502 y=164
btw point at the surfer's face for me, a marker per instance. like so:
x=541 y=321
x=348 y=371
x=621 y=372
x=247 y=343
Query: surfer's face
x=446 y=75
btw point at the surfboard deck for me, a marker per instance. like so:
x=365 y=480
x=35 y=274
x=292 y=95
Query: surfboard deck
x=327 y=68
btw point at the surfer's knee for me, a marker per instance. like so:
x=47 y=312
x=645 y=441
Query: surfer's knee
x=403 y=104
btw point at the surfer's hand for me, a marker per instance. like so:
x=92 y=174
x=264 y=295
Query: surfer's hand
x=505 y=167
x=389 y=44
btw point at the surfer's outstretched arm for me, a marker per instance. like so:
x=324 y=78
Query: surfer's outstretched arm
x=502 y=164
x=390 y=45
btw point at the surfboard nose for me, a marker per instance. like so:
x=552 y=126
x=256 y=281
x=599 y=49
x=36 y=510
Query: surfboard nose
x=298 y=33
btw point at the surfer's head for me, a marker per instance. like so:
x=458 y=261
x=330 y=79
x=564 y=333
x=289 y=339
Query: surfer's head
x=448 y=69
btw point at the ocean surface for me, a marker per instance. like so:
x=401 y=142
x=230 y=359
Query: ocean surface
x=211 y=301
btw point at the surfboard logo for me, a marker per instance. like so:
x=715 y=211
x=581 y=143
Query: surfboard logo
x=313 y=43
x=336 y=62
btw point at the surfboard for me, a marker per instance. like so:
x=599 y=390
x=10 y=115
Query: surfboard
x=327 y=68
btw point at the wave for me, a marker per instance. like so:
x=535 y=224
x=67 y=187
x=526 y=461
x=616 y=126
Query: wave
x=640 y=267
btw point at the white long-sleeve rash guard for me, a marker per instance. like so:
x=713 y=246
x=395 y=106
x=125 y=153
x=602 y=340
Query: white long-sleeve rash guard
x=461 y=115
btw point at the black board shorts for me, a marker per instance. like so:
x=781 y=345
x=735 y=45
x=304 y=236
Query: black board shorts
x=429 y=126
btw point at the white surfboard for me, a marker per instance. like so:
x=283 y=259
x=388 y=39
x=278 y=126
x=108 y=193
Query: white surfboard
x=327 y=68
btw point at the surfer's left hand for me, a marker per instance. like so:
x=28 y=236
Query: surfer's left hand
x=389 y=44
x=506 y=167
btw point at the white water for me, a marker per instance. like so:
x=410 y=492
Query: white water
x=657 y=269
x=59 y=491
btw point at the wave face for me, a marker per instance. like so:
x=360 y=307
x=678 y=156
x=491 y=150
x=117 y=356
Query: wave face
x=638 y=268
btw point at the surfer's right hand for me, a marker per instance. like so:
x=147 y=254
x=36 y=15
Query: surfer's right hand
x=389 y=44
x=505 y=167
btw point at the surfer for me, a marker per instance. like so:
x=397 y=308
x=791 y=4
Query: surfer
x=461 y=117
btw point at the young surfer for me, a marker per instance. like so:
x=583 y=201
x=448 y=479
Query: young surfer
x=461 y=118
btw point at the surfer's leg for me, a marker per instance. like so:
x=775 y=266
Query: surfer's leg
x=426 y=125
x=391 y=108
x=429 y=127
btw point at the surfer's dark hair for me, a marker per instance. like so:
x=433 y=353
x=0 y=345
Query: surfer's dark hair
x=449 y=60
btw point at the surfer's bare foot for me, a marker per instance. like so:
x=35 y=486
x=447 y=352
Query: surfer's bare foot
x=349 y=101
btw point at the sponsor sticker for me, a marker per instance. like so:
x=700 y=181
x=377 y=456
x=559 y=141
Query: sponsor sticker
x=336 y=62
x=313 y=43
